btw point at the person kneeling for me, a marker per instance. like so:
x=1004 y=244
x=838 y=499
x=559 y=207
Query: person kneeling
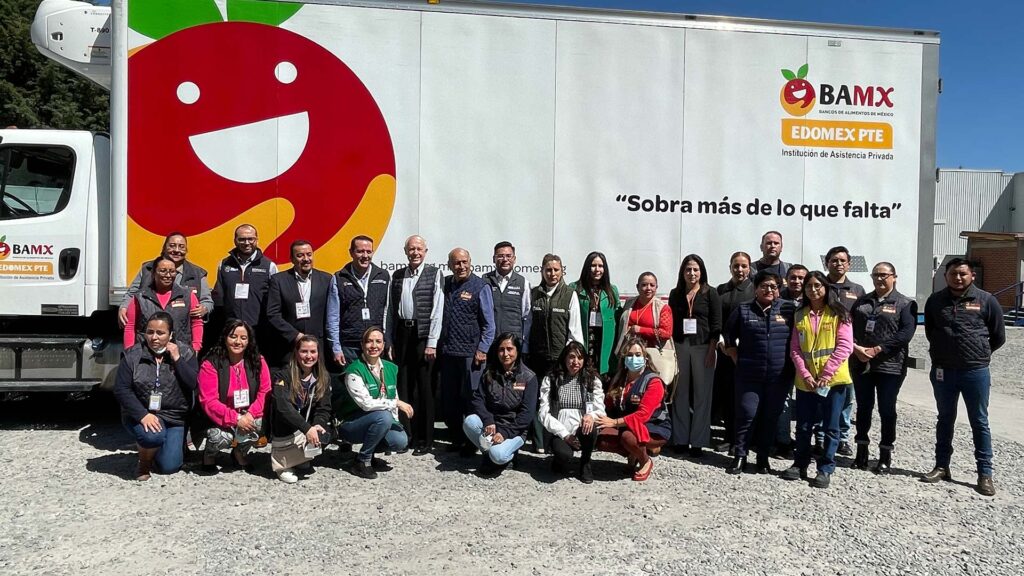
x=502 y=407
x=154 y=387
x=369 y=411
x=571 y=398
x=637 y=416
x=301 y=410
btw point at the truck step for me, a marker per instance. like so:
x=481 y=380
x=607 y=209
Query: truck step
x=48 y=385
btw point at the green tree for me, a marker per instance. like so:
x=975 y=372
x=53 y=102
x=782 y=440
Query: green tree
x=36 y=92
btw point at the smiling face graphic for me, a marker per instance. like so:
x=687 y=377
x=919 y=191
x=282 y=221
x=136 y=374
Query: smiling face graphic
x=797 y=95
x=228 y=115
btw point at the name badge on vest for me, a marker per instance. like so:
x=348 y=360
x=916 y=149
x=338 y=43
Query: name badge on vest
x=241 y=398
x=241 y=291
x=465 y=295
x=302 y=309
x=888 y=309
x=972 y=307
x=849 y=295
x=366 y=313
x=870 y=326
x=780 y=318
x=519 y=386
x=154 y=401
x=689 y=325
x=177 y=304
x=634 y=399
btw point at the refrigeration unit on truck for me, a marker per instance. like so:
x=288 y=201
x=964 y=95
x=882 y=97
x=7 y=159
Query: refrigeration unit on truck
x=647 y=136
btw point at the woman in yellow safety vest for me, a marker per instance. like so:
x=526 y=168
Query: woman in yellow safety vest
x=820 y=346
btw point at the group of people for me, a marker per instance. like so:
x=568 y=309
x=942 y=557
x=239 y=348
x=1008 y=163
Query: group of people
x=357 y=356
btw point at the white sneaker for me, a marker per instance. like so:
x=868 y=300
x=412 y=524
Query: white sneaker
x=287 y=476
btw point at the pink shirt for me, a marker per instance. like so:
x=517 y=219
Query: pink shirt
x=842 y=351
x=225 y=415
x=132 y=312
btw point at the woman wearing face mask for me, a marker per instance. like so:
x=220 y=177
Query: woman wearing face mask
x=555 y=321
x=646 y=316
x=503 y=405
x=757 y=341
x=637 y=419
x=154 y=386
x=301 y=410
x=697 y=325
x=369 y=410
x=161 y=294
x=571 y=399
x=821 y=344
x=599 y=308
x=188 y=276
x=884 y=322
x=234 y=383
x=731 y=294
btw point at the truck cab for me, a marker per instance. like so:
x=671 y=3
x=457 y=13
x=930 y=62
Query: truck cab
x=56 y=322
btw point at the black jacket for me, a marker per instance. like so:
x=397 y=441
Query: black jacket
x=508 y=401
x=282 y=295
x=137 y=377
x=286 y=418
x=895 y=321
x=707 y=309
x=963 y=332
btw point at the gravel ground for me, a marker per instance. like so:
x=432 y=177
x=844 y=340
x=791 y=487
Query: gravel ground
x=70 y=507
x=1007 y=363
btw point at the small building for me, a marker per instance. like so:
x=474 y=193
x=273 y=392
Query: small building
x=999 y=263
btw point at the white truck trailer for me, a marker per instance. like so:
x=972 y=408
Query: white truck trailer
x=647 y=136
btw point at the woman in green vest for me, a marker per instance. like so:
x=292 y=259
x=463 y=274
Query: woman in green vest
x=599 y=307
x=369 y=410
x=820 y=346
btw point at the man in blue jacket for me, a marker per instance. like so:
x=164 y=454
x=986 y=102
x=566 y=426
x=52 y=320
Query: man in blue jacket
x=964 y=326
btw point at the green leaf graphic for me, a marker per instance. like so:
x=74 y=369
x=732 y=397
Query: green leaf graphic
x=802 y=72
x=3 y=239
x=159 y=18
x=261 y=11
x=788 y=74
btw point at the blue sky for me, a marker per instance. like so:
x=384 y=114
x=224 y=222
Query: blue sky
x=981 y=61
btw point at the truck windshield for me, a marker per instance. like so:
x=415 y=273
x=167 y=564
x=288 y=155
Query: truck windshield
x=34 y=180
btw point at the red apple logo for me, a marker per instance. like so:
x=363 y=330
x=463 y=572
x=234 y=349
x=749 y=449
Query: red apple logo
x=5 y=248
x=227 y=115
x=797 y=96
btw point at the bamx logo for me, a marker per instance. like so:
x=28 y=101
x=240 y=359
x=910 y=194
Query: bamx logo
x=876 y=96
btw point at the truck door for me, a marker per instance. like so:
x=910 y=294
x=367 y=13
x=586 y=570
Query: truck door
x=44 y=197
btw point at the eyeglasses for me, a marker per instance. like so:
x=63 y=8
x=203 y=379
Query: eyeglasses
x=881 y=275
x=166 y=272
x=769 y=287
x=504 y=256
x=245 y=240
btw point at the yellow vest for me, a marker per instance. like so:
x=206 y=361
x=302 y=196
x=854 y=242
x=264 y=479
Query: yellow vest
x=816 y=349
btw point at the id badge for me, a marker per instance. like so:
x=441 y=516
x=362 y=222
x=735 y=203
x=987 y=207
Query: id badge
x=241 y=398
x=940 y=376
x=154 y=401
x=689 y=325
x=366 y=313
x=870 y=326
x=301 y=310
x=595 y=318
x=241 y=291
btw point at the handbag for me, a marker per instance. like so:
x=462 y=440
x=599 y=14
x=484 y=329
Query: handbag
x=663 y=356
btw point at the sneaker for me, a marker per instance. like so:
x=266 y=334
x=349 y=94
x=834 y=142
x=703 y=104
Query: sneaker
x=794 y=473
x=822 y=480
x=363 y=470
x=287 y=476
x=844 y=449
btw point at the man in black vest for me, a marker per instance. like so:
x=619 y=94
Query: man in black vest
x=467 y=330
x=243 y=279
x=510 y=292
x=846 y=291
x=297 y=302
x=415 y=310
x=362 y=301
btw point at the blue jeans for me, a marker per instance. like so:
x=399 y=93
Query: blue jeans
x=973 y=384
x=376 y=431
x=807 y=406
x=500 y=454
x=845 y=420
x=170 y=440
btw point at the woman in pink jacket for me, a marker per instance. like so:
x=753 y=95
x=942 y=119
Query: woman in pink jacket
x=234 y=382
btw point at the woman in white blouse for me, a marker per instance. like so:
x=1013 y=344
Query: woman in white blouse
x=571 y=399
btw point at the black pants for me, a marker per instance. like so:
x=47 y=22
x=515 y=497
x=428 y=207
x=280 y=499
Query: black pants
x=414 y=384
x=563 y=452
x=887 y=386
x=758 y=404
x=459 y=377
x=723 y=396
